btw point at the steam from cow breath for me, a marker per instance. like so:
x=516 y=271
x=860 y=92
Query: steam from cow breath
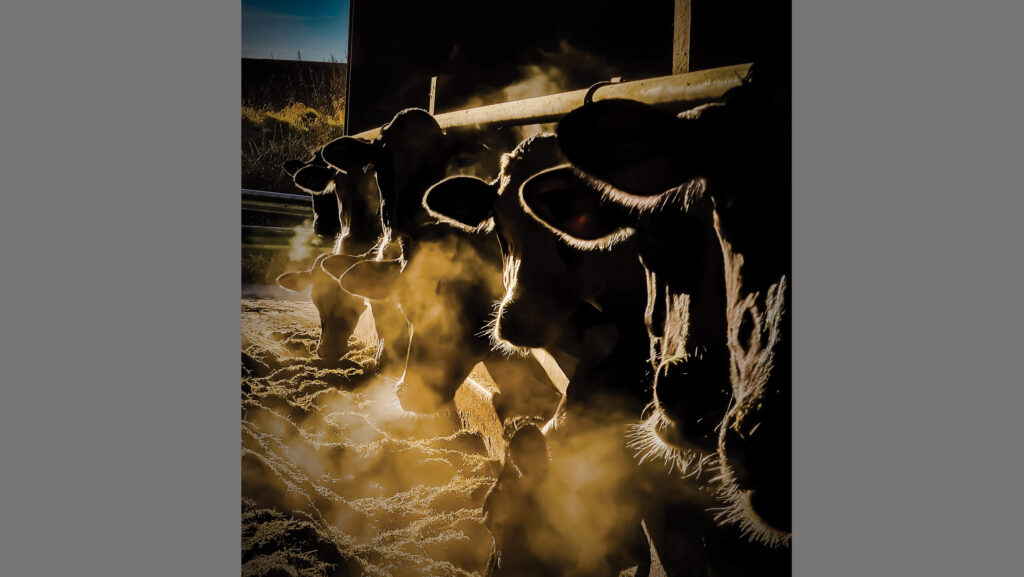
x=557 y=71
x=300 y=247
x=377 y=481
x=583 y=516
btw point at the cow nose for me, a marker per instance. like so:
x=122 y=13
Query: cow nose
x=760 y=462
x=694 y=396
x=512 y=329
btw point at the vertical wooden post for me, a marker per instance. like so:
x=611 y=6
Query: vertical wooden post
x=681 y=38
x=433 y=93
x=348 y=69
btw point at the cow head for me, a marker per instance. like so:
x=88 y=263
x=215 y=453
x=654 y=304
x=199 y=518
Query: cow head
x=685 y=313
x=411 y=154
x=545 y=280
x=339 y=311
x=346 y=202
x=444 y=291
x=709 y=195
x=316 y=178
x=414 y=155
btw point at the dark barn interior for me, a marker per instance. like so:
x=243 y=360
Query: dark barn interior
x=479 y=47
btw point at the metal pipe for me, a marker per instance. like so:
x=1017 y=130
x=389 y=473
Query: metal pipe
x=300 y=199
x=276 y=203
x=690 y=88
x=256 y=236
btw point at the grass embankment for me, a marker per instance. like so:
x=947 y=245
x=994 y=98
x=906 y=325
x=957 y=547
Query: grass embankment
x=289 y=109
x=270 y=137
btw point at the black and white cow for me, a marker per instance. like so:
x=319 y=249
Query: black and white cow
x=584 y=306
x=706 y=195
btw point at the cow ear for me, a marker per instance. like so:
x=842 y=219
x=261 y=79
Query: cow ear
x=293 y=166
x=560 y=200
x=464 y=201
x=314 y=179
x=349 y=154
x=295 y=281
x=638 y=149
x=374 y=280
x=336 y=265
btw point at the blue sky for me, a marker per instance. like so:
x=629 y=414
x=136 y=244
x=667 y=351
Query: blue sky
x=316 y=27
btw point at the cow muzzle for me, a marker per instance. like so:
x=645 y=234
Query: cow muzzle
x=756 y=462
x=694 y=396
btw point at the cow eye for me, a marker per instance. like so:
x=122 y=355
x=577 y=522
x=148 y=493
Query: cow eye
x=571 y=256
x=561 y=200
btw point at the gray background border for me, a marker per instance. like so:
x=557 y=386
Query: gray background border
x=118 y=230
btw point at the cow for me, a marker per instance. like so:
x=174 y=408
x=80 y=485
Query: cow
x=513 y=510
x=411 y=154
x=585 y=306
x=346 y=207
x=342 y=178
x=705 y=194
x=555 y=296
x=368 y=194
x=339 y=311
x=442 y=298
x=346 y=203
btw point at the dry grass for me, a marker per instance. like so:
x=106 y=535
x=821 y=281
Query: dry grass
x=272 y=136
x=288 y=110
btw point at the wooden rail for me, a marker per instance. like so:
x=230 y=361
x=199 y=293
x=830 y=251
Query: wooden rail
x=677 y=90
x=691 y=88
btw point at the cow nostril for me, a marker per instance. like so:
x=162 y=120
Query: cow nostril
x=671 y=434
x=693 y=399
